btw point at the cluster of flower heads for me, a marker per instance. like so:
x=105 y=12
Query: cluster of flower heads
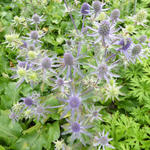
x=64 y=73
x=30 y=107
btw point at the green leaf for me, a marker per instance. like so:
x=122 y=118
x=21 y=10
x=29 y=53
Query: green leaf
x=2 y=148
x=9 y=130
x=54 y=131
x=11 y=95
x=33 y=139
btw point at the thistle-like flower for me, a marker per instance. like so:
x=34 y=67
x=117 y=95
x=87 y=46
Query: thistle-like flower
x=115 y=14
x=59 y=145
x=97 y=7
x=22 y=69
x=125 y=44
x=94 y=114
x=140 y=18
x=19 y=20
x=137 y=52
x=45 y=65
x=105 y=33
x=77 y=129
x=36 y=19
x=30 y=51
x=69 y=62
x=129 y=29
x=28 y=114
x=85 y=9
x=30 y=101
x=112 y=91
x=73 y=102
x=103 y=71
x=142 y=39
x=102 y=140
x=12 y=40
x=34 y=37
x=41 y=110
x=60 y=83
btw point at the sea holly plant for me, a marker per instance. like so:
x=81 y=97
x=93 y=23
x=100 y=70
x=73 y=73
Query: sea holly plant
x=71 y=92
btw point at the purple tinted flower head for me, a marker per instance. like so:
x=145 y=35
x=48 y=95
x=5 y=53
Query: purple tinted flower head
x=136 y=49
x=60 y=83
x=103 y=71
x=68 y=59
x=28 y=101
x=77 y=130
x=41 y=110
x=103 y=68
x=36 y=19
x=105 y=32
x=85 y=9
x=34 y=35
x=142 y=39
x=104 y=28
x=69 y=63
x=125 y=43
x=24 y=64
x=46 y=63
x=31 y=99
x=94 y=114
x=97 y=6
x=136 y=52
x=75 y=126
x=115 y=14
x=74 y=102
x=102 y=141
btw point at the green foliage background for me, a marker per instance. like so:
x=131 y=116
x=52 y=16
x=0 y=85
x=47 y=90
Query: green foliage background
x=127 y=120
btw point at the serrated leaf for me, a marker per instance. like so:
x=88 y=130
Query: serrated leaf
x=54 y=131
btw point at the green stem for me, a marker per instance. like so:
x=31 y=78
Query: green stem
x=135 y=2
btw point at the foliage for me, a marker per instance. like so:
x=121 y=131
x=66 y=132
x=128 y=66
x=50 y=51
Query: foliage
x=127 y=120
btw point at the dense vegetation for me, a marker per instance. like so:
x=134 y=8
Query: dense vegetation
x=124 y=101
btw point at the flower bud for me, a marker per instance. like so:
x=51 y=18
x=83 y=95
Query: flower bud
x=85 y=9
x=115 y=14
x=97 y=6
x=36 y=18
x=68 y=59
x=34 y=35
x=46 y=63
